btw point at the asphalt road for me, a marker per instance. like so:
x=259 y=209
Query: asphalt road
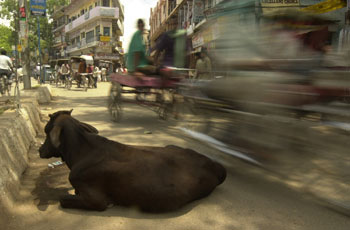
x=250 y=198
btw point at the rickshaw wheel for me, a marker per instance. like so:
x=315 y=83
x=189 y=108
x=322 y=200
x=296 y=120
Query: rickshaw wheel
x=114 y=102
x=163 y=111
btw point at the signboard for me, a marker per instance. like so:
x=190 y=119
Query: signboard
x=38 y=7
x=105 y=38
x=106 y=56
x=22 y=29
x=19 y=48
x=279 y=3
x=325 y=6
x=197 y=40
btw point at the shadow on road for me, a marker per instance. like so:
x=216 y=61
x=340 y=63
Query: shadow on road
x=50 y=185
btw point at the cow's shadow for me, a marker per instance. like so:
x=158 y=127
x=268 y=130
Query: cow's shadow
x=53 y=183
x=50 y=185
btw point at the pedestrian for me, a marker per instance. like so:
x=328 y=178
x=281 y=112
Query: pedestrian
x=203 y=66
x=104 y=73
x=81 y=69
x=97 y=74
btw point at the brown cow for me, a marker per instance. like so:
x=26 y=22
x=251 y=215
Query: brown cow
x=103 y=172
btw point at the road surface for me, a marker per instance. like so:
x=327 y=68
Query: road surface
x=250 y=198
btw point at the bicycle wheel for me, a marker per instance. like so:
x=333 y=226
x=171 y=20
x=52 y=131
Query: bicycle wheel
x=2 y=85
x=8 y=88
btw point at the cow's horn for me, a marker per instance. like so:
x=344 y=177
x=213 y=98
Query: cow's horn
x=70 y=112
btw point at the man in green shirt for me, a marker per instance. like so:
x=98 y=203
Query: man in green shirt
x=137 y=62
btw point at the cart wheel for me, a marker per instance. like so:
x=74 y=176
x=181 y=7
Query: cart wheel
x=163 y=112
x=346 y=98
x=114 y=102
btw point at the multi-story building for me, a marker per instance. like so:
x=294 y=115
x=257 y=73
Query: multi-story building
x=59 y=22
x=92 y=27
x=180 y=14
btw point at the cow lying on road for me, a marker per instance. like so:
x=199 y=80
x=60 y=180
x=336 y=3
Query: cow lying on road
x=103 y=172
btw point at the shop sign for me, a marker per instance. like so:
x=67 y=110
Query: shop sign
x=107 y=56
x=38 y=7
x=105 y=38
x=104 y=49
x=277 y=3
x=197 y=40
x=325 y=6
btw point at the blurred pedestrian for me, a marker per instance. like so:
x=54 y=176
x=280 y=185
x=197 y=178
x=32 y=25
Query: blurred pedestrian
x=203 y=66
x=104 y=74
x=81 y=69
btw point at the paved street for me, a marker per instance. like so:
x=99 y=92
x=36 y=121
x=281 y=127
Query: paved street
x=250 y=198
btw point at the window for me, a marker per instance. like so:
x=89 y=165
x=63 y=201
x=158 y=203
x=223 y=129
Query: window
x=82 y=12
x=90 y=36
x=83 y=35
x=96 y=4
x=97 y=30
x=90 y=8
x=106 y=3
x=106 y=31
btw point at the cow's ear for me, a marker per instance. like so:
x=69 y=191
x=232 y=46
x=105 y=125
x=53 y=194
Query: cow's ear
x=50 y=115
x=70 y=112
x=55 y=136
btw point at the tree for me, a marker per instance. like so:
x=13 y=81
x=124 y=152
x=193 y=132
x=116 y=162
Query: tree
x=7 y=7
x=6 y=38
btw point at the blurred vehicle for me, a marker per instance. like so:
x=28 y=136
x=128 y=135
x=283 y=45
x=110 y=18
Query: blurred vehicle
x=271 y=65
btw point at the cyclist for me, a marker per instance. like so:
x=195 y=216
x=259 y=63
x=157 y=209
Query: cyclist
x=6 y=66
x=65 y=71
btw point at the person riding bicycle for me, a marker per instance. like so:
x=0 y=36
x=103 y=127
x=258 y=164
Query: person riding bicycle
x=64 y=71
x=6 y=66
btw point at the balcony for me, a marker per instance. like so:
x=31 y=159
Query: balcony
x=97 y=12
x=91 y=42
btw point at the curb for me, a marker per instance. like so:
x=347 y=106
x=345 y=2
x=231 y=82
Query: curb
x=17 y=134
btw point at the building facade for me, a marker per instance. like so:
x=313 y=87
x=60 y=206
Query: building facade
x=191 y=15
x=91 y=27
x=59 y=22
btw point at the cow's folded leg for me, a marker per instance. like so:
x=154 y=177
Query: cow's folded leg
x=87 y=199
x=72 y=201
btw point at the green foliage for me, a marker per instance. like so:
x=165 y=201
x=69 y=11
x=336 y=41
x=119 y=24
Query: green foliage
x=6 y=38
x=7 y=9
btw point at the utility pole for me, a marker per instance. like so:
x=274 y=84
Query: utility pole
x=24 y=42
x=39 y=47
x=38 y=8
